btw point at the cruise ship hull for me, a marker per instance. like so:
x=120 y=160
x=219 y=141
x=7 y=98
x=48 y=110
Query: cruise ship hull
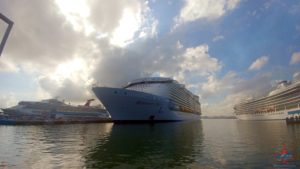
x=278 y=115
x=134 y=106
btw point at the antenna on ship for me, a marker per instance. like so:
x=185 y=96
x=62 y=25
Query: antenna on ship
x=7 y=31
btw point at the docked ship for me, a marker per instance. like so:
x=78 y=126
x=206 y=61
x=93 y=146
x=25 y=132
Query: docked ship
x=150 y=99
x=277 y=105
x=52 y=111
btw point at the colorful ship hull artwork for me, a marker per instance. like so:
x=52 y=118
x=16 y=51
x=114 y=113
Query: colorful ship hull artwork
x=52 y=111
x=278 y=105
x=285 y=159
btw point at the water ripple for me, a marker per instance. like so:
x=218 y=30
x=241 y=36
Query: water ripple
x=202 y=144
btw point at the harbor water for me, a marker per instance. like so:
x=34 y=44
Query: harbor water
x=209 y=143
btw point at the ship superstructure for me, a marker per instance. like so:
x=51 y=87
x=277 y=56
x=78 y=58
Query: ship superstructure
x=277 y=105
x=53 y=110
x=150 y=99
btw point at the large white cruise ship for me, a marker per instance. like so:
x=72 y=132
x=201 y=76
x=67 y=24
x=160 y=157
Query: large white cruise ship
x=150 y=99
x=52 y=111
x=275 y=106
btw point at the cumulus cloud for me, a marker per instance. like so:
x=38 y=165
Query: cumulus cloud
x=70 y=80
x=204 y=9
x=120 y=21
x=223 y=107
x=40 y=37
x=197 y=60
x=221 y=94
x=149 y=57
x=295 y=58
x=8 y=66
x=68 y=89
x=49 y=37
x=8 y=100
x=69 y=47
x=215 y=85
x=218 y=38
x=258 y=86
x=259 y=63
x=296 y=76
x=119 y=67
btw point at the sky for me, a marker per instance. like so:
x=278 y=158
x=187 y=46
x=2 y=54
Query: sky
x=225 y=51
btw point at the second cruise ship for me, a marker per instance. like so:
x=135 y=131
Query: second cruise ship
x=52 y=111
x=150 y=99
x=280 y=103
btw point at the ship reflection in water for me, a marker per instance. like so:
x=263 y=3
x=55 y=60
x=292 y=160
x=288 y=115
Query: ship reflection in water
x=163 y=145
x=209 y=143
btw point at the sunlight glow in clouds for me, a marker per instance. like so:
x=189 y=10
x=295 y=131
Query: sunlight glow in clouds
x=129 y=24
x=70 y=69
x=135 y=23
x=76 y=12
x=70 y=80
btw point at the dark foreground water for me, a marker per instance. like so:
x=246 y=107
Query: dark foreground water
x=201 y=144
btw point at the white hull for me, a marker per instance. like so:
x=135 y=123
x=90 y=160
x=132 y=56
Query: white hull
x=279 y=115
x=129 y=105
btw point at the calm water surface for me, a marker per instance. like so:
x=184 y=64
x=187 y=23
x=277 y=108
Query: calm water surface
x=201 y=144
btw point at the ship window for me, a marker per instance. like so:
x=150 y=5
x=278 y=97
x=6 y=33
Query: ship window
x=292 y=105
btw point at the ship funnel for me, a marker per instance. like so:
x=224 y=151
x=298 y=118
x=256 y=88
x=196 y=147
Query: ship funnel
x=88 y=102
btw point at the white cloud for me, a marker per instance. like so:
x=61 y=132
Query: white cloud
x=213 y=85
x=57 y=42
x=197 y=60
x=179 y=45
x=221 y=94
x=223 y=107
x=218 y=38
x=137 y=21
x=70 y=80
x=204 y=9
x=296 y=76
x=295 y=58
x=77 y=13
x=259 y=63
x=217 y=94
x=128 y=25
x=8 y=66
x=41 y=40
x=7 y=100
